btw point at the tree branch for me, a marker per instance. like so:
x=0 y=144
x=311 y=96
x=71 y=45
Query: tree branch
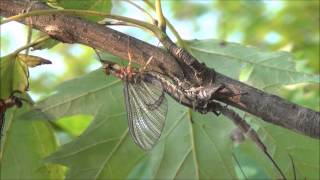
x=268 y=107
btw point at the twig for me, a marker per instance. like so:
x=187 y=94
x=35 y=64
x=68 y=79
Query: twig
x=247 y=130
x=161 y=20
x=157 y=32
x=143 y=10
x=29 y=23
x=40 y=40
x=180 y=41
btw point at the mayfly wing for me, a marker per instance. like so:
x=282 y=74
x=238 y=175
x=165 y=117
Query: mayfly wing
x=146 y=107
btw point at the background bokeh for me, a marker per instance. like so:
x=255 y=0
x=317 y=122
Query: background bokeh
x=270 y=25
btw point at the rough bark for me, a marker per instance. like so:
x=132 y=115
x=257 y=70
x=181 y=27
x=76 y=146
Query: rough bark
x=270 y=108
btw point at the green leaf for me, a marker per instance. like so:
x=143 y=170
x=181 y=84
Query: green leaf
x=82 y=95
x=32 y=61
x=281 y=143
x=253 y=161
x=14 y=76
x=200 y=150
x=74 y=125
x=259 y=68
x=263 y=70
x=94 y=5
x=24 y=144
x=106 y=150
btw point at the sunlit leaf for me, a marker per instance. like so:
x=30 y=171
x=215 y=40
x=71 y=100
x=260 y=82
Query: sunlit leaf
x=32 y=61
x=74 y=125
x=14 y=76
x=262 y=69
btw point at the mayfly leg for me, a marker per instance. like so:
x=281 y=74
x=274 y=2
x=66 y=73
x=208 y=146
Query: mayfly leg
x=130 y=59
x=147 y=63
x=129 y=54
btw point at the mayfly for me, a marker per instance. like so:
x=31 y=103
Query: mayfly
x=145 y=103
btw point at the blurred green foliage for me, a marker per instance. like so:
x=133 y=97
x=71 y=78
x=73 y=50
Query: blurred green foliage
x=271 y=25
x=295 y=22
